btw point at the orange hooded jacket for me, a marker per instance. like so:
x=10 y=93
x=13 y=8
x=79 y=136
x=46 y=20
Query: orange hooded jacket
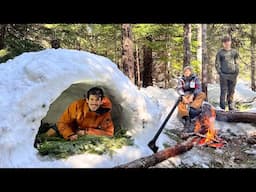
x=78 y=116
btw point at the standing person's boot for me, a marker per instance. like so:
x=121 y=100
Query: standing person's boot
x=222 y=105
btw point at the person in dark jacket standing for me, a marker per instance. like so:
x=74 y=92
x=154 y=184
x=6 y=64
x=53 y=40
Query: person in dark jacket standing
x=227 y=67
x=189 y=87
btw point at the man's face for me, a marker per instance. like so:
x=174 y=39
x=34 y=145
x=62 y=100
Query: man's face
x=94 y=102
x=227 y=45
x=187 y=73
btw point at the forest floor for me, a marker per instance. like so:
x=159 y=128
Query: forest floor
x=238 y=152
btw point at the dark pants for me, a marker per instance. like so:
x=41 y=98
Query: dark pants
x=227 y=89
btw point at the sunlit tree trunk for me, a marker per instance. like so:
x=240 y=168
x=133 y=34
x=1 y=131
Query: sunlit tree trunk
x=127 y=51
x=115 y=56
x=167 y=63
x=199 y=45
x=253 y=41
x=204 y=59
x=187 y=45
x=2 y=35
x=137 y=66
x=147 y=64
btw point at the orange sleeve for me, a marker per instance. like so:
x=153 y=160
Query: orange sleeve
x=66 y=123
x=106 y=127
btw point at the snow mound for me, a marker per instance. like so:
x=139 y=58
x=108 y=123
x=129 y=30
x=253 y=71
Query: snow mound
x=31 y=82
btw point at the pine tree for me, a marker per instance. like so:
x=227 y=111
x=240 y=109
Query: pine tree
x=253 y=41
x=187 y=44
x=147 y=63
x=127 y=52
x=199 y=45
x=204 y=59
x=2 y=35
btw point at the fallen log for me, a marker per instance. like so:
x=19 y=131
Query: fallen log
x=160 y=156
x=236 y=116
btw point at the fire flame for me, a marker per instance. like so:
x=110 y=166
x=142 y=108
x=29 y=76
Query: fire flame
x=205 y=125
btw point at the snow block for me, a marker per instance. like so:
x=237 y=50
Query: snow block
x=34 y=83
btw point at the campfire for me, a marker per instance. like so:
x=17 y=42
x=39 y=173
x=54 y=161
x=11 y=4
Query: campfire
x=205 y=129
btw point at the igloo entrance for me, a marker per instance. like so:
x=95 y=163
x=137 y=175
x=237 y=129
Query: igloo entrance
x=77 y=91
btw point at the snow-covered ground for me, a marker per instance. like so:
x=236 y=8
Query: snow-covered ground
x=31 y=82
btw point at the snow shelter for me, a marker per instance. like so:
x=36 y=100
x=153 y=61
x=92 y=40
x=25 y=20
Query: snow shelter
x=38 y=86
x=75 y=92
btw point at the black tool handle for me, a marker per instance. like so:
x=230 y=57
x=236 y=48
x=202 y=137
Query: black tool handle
x=166 y=120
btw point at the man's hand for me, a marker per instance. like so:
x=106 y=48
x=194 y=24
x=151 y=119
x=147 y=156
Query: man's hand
x=73 y=137
x=185 y=100
x=81 y=132
x=188 y=99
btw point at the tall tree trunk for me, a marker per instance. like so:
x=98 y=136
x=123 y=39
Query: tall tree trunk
x=211 y=64
x=159 y=69
x=165 y=73
x=127 y=51
x=2 y=35
x=199 y=45
x=169 y=72
x=115 y=55
x=253 y=41
x=168 y=67
x=204 y=59
x=187 y=44
x=137 y=66
x=230 y=30
x=147 y=63
x=168 y=63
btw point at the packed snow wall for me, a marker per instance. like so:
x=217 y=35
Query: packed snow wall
x=32 y=82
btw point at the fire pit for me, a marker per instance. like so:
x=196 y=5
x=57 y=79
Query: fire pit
x=204 y=128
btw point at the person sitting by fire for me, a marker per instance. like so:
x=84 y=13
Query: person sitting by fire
x=88 y=116
x=189 y=87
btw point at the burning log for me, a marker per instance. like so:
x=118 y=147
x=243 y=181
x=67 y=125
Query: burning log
x=213 y=139
x=160 y=156
x=204 y=127
x=200 y=135
x=235 y=116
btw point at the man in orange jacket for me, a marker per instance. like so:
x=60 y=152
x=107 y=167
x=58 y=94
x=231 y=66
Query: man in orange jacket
x=89 y=116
